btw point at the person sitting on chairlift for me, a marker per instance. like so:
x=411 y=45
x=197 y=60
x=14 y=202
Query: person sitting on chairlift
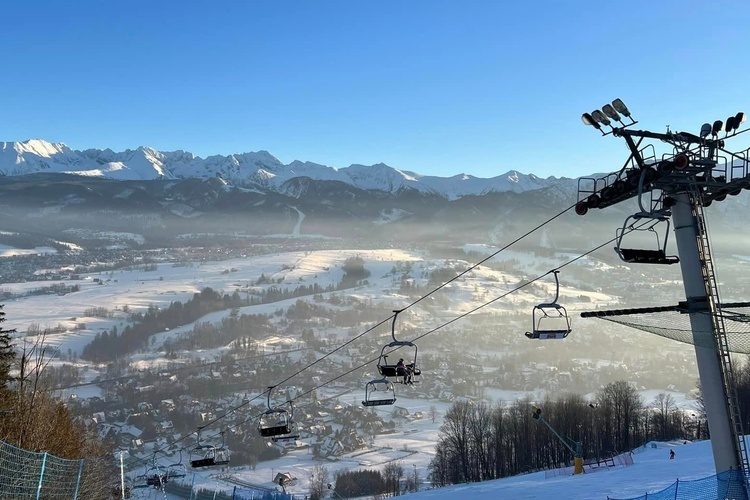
x=410 y=370
x=401 y=370
x=404 y=371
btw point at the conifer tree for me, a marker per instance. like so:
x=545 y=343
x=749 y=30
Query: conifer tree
x=7 y=352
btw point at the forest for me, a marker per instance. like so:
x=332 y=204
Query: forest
x=479 y=441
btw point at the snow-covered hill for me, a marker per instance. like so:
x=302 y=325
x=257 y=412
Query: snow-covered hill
x=258 y=169
x=652 y=471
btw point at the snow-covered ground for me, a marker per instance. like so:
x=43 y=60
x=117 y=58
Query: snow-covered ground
x=414 y=440
x=651 y=471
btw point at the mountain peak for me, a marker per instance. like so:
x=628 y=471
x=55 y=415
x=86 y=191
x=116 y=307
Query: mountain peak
x=259 y=169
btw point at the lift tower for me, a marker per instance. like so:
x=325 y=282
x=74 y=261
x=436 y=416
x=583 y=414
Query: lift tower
x=698 y=171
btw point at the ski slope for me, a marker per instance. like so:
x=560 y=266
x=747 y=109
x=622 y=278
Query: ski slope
x=652 y=471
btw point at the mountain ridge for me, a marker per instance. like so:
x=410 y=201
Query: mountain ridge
x=258 y=169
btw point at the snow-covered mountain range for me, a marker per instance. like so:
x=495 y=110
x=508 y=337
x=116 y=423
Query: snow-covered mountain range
x=259 y=169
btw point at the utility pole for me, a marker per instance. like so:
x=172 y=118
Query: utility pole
x=698 y=171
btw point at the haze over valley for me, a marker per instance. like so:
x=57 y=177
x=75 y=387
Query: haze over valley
x=170 y=302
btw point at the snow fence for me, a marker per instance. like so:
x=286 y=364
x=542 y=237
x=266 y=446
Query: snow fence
x=727 y=485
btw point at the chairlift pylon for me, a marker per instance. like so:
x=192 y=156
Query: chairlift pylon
x=646 y=256
x=391 y=370
x=550 y=320
x=386 y=393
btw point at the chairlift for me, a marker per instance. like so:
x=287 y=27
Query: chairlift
x=206 y=455
x=177 y=469
x=293 y=434
x=275 y=421
x=386 y=393
x=124 y=488
x=390 y=370
x=156 y=475
x=140 y=481
x=550 y=320
x=646 y=256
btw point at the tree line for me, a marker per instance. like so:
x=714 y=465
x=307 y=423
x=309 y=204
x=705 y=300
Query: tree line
x=479 y=441
x=109 y=345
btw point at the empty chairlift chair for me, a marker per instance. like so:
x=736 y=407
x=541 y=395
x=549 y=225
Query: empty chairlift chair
x=379 y=393
x=550 y=320
x=649 y=223
x=293 y=433
x=176 y=469
x=205 y=455
x=276 y=422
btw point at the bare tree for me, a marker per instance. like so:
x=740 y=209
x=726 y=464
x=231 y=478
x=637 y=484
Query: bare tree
x=413 y=480
x=318 y=482
x=620 y=405
x=433 y=413
x=393 y=472
x=665 y=406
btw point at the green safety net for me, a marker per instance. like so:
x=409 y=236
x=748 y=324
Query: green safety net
x=31 y=475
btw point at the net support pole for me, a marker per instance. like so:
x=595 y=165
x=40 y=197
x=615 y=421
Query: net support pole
x=41 y=477
x=709 y=367
x=122 y=477
x=78 y=480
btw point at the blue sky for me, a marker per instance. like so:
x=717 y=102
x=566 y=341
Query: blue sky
x=436 y=87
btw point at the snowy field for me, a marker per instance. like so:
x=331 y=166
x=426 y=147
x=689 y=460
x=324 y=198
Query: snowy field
x=651 y=471
x=414 y=440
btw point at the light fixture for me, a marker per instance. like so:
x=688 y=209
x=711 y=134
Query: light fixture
x=587 y=119
x=620 y=107
x=705 y=130
x=611 y=113
x=730 y=125
x=599 y=116
x=739 y=119
x=681 y=161
x=718 y=125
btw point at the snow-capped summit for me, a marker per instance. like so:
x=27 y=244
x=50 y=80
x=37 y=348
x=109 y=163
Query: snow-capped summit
x=256 y=169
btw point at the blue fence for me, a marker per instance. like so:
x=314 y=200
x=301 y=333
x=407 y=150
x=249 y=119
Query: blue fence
x=728 y=485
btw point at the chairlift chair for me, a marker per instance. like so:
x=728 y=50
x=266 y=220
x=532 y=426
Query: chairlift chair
x=140 y=481
x=156 y=475
x=123 y=489
x=204 y=455
x=390 y=370
x=645 y=256
x=275 y=421
x=550 y=320
x=386 y=393
x=177 y=469
x=293 y=433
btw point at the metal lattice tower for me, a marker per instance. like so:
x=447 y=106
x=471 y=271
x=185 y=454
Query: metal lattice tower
x=698 y=171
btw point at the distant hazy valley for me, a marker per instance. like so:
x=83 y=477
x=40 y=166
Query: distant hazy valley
x=188 y=289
